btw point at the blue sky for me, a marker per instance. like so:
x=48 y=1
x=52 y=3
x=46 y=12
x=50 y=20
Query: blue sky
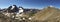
x=38 y=4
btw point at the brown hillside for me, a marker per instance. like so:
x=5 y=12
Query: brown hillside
x=49 y=14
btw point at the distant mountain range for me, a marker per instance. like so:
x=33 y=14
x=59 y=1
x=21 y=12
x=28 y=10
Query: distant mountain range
x=16 y=9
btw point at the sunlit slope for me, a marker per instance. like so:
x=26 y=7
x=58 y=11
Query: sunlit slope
x=47 y=14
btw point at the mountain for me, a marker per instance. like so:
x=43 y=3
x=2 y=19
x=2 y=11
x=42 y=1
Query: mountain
x=10 y=14
x=48 y=14
x=14 y=8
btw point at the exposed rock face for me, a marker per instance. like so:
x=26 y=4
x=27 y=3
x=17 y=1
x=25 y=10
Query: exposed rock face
x=20 y=10
x=12 y=9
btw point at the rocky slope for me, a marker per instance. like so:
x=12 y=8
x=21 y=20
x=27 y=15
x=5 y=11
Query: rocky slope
x=49 y=14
